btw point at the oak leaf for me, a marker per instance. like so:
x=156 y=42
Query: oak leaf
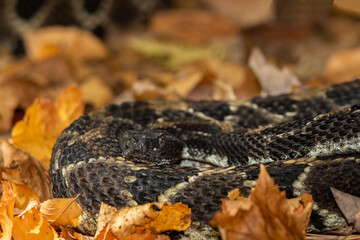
x=266 y=214
x=43 y=122
x=61 y=211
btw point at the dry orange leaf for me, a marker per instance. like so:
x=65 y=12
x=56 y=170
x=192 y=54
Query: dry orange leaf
x=23 y=195
x=266 y=214
x=146 y=236
x=32 y=225
x=6 y=210
x=105 y=234
x=44 y=120
x=61 y=211
x=144 y=219
x=172 y=217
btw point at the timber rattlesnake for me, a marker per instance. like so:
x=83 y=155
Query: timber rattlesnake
x=133 y=153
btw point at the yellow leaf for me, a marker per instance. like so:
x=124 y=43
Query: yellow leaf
x=43 y=122
x=23 y=195
x=61 y=211
x=32 y=225
x=6 y=210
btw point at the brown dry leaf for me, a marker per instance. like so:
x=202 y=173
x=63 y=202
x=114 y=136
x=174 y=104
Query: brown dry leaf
x=30 y=171
x=191 y=26
x=68 y=41
x=266 y=214
x=61 y=211
x=349 y=206
x=342 y=66
x=32 y=225
x=6 y=211
x=43 y=122
x=144 y=219
x=274 y=81
x=234 y=76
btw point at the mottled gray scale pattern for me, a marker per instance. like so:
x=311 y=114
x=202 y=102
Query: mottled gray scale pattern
x=303 y=155
x=217 y=110
x=345 y=93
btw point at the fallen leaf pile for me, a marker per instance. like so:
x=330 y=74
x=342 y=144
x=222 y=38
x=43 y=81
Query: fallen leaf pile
x=67 y=70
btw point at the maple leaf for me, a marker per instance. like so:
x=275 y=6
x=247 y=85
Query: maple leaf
x=266 y=214
x=43 y=122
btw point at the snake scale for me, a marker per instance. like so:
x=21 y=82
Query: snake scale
x=196 y=152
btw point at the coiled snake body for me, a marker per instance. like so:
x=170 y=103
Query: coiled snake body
x=196 y=152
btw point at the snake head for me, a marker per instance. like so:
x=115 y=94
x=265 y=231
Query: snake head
x=151 y=146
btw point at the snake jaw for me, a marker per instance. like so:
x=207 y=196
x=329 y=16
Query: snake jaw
x=156 y=146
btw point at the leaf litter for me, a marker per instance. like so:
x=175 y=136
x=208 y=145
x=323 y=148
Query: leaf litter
x=146 y=68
